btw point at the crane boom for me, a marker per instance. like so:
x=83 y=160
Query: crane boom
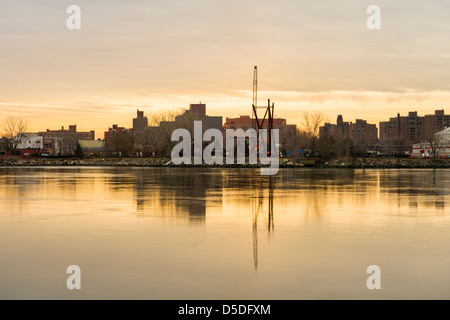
x=260 y=123
x=255 y=87
x=255 y=98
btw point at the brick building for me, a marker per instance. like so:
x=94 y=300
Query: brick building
x=286 y=131
x=436 y=122
x=115 y=129
x=140 y=123
x=63 y=141
x=412 y=128
x=245 y=122
x=360 y=131
x=197 y=112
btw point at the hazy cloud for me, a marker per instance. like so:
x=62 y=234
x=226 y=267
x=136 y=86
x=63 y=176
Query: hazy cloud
x=155 y=52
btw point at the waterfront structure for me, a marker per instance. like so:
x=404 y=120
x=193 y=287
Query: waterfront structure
x=28 y=144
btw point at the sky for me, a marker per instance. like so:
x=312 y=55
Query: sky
x=166 y=54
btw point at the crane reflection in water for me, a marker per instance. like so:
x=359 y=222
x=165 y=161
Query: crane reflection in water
x=259 y=208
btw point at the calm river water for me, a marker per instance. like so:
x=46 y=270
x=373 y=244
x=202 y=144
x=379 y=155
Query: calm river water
x=164 y=233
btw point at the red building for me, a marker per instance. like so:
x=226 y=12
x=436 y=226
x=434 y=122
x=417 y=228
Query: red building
x=24 y=152
x=286 y=131
x=116 y=130
x=245 y=122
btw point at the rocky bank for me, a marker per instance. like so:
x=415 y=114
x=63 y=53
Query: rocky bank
x=284 y=163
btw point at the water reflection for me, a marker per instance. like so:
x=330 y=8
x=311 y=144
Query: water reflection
x=169 y=192
x=426 y=188
x=183 y=233
x=190 y=192
x=259 y=208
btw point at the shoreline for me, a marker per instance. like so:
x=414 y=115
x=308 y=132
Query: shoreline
x=358 y=163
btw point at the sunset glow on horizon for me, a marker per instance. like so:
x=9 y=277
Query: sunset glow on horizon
x=161 y=55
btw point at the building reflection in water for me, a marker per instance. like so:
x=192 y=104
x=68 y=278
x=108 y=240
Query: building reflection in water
x=192 y=194
x=416 y=188
x=181 y=193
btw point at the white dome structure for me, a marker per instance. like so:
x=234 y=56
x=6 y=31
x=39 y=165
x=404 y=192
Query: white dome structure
x=441 y=145
x=443 y=136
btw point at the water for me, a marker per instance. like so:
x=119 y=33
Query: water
x=164 y=233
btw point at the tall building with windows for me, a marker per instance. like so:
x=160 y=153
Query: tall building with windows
x=363 y=132
x=140 y=122
x=436 y=122
x=360 y=131
x=400 y=133
x=197 y=112
x=413 y=128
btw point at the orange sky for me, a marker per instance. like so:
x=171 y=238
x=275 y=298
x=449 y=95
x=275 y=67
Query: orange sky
x=159 y=55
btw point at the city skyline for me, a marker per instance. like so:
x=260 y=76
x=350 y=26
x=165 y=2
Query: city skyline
x=166 y=55
x=130 y=122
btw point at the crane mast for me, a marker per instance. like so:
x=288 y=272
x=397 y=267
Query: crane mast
x=255 y=93
x=269 y=113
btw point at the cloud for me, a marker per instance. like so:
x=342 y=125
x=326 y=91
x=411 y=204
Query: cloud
x=167 y=54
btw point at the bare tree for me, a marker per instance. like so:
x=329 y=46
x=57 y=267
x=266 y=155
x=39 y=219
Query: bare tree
x=293 y=139
x=159 y=139
x=344 y=147
x=67 y=143
x=311 y=124
x=170 y=120
x=434 y=140
x=165 y=120
x=152 y=141
x=123 y=143
x=15 y=130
